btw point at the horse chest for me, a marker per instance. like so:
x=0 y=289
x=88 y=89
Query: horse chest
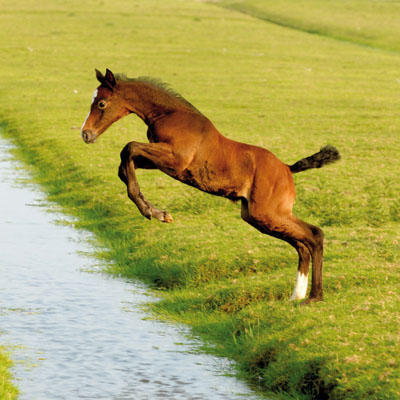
x=151 y=136
x=156 y=135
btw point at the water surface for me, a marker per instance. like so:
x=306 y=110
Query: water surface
x=79 y=335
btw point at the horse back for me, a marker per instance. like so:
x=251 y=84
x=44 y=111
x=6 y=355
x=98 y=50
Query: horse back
x=212 y=162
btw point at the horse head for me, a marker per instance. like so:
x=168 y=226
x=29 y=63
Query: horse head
x=107 y=107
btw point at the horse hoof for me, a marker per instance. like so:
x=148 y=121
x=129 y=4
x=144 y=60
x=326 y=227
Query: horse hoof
x=167 y=217
x=162 y=216
x=311 y=300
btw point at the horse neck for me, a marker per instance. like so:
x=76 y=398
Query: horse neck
x=149 y=103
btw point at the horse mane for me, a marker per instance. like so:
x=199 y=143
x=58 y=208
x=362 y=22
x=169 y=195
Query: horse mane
x=159 y=85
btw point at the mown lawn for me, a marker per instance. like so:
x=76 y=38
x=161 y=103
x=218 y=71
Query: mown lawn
x=259 y=82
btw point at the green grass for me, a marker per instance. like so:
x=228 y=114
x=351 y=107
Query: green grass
x=367 y=22
x=7 y=389
x=265 y=84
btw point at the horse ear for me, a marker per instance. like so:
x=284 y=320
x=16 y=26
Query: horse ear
x=110 y=79
x=100 y=77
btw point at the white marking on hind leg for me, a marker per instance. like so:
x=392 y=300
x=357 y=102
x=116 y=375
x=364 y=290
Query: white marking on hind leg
x=300 y=288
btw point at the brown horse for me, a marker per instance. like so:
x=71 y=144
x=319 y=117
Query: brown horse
x=185 y=145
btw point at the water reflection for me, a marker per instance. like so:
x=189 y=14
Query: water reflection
x=79 y=335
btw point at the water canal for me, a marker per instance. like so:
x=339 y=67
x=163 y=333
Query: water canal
x=80 y=335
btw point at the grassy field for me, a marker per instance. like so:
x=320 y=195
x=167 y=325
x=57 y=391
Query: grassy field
x=259 y=82
x=367 y=22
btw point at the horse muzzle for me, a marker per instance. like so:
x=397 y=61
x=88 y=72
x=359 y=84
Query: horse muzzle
x=88 y=136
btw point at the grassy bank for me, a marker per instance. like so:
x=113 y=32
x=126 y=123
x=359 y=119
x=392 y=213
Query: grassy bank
x=258 y=82
x=366 y=22
x=7 y=389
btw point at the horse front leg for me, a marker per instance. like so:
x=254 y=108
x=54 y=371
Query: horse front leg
x=148 y=156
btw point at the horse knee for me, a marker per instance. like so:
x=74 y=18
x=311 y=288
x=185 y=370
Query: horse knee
x=127 y=152
x=122 y=174
x=318 y=236
x=317 y=232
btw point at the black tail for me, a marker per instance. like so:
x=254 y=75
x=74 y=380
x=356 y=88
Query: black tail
x=327 y=154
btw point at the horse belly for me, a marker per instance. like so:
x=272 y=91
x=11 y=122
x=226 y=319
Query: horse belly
x=219 y=182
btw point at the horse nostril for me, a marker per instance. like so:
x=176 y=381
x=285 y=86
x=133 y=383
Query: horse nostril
x=86 y=135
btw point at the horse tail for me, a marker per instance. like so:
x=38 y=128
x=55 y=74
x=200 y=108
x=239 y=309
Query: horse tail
x=327 y=155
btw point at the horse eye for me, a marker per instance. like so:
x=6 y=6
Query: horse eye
x=101 y=104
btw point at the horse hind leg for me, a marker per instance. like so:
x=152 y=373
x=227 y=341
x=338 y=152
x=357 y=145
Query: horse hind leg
x=309 y=244
x=316 y=247
x=305 y=238
x=313 y=240
x=300 y=288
